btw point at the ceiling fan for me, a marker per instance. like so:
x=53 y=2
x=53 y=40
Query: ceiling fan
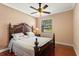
x=40 y=9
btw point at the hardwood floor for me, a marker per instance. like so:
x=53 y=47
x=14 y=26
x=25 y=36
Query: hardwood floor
x=60 y=50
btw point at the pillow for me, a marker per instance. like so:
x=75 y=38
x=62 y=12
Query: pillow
x=30 y=34
x=17 y=35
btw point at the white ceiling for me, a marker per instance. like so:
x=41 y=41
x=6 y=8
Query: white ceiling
x=52 y=7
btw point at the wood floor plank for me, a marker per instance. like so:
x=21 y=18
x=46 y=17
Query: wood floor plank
x=62 y=50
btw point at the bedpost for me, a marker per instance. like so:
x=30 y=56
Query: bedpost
x=53 y=43
x=32 y=28
x=36 y=48
x=9 y=27
x=9 y=31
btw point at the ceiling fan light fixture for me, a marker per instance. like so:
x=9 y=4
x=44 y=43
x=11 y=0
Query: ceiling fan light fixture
x=41 y=9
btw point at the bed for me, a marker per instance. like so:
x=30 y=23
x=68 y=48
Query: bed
x=28 y=46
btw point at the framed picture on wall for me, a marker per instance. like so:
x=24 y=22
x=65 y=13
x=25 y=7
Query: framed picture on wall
x=46 y=26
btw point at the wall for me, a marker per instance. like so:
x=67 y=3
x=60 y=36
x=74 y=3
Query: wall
x=76 y=28
x=9 y=15
x=62 y=27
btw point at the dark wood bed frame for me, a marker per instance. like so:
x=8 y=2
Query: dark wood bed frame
x=23 y=27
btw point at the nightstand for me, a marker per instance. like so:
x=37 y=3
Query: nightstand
x=37 y=35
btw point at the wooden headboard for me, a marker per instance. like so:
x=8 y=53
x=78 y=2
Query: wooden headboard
x=22 y=27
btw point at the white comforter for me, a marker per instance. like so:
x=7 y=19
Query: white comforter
x=24 y=45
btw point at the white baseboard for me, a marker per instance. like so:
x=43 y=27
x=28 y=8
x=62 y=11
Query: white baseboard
x=2 y=50
x=76 y=50
x=64 y=44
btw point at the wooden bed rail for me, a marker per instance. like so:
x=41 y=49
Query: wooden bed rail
x=37 y=48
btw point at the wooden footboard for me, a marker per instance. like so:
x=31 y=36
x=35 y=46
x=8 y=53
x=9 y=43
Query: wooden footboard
x=40 y=50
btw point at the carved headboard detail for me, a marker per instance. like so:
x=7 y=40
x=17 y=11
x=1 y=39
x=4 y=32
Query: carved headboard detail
x=22 y=27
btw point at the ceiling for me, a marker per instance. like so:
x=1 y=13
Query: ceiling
x=52 y=7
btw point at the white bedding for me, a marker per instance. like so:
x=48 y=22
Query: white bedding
x=24 y=45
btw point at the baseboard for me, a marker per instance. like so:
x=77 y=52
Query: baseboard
x=2 y=50
x=76 y=51
x=64 y=44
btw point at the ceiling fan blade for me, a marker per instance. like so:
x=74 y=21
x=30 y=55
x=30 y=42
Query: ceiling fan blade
x=46 y=12
x=45 y=6
x=33 y=12
x=33 y=8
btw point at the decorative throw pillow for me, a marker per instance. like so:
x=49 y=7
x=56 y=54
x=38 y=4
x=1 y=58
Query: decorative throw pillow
x=17 y=35
x=30 y=34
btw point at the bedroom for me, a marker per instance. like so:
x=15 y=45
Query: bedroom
x=61 y=18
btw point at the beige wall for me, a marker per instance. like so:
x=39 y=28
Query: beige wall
x=10 y=15
x=76 y=28
x=62 y=24
x=62 y=27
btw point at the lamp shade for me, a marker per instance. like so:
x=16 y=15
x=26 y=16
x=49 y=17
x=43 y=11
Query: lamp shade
x=37 y=29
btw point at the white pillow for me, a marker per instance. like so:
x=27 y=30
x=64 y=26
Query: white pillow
x=30 y=34
x=17 y=35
